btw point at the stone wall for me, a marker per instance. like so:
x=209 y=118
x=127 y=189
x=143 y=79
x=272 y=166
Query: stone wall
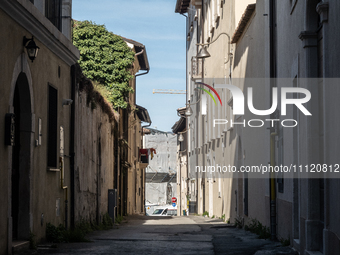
x=94 y=149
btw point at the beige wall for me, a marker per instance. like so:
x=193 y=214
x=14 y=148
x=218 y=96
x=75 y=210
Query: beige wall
x=296 y=57
x=44 y=187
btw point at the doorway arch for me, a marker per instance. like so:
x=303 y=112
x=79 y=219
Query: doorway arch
x=20 y=158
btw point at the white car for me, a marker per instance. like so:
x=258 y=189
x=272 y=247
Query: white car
x=160 y=212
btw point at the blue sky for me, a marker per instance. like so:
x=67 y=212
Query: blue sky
x=155 y=24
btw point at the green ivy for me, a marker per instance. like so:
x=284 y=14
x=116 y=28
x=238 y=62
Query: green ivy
x=105 y=58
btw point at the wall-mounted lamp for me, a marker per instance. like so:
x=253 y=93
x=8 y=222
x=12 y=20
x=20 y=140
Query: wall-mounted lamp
x=181 y=137
x=188 y=111
x=31 y=47
x=203 y=53
x=67 y=101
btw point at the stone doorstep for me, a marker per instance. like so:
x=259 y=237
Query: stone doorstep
x=18 y=246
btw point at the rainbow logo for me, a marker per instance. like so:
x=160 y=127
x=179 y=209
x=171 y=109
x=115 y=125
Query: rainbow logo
x=208 y=92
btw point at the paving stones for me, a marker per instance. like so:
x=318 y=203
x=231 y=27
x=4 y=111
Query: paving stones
x=178 y=235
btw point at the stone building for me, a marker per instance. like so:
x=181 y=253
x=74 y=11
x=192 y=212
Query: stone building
x=35 y=98
x=161 y=173
x=294 y=43
x=60 y=155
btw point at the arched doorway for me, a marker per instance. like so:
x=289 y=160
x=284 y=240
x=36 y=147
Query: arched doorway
x=21 y=160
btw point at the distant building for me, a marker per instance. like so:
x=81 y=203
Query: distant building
x=161 y=172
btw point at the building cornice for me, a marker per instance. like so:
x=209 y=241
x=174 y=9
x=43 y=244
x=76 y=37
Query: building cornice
x=242 y=25
x=31 y=19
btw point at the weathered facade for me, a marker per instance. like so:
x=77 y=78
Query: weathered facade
x=62 y=145
x=33 y=94
x=132 y=171
x=185 y=192
x=288 y=41
x=161 y=172
x=96 y=128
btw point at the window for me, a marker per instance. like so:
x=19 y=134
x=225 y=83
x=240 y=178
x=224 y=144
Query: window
x=52 y=127
x=53 y=12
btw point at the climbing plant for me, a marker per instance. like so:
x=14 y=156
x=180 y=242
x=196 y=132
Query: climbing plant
x=105 y=58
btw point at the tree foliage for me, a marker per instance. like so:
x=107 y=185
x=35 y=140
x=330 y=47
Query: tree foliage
x=105 y=58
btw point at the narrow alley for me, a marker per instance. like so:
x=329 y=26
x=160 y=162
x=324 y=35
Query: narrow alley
x=176 y=235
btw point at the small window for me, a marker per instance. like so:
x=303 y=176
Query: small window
x=53 y=12
x=52 y=127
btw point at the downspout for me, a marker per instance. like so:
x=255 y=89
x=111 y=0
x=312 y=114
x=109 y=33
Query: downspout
x=134 y=79
x=273 y=134
x=72 y=137
x=147 y=71
x=203 y=161
x=272 y=187
x=137 y=54
x=186 y=100
x=148 y=68
x=62 y=178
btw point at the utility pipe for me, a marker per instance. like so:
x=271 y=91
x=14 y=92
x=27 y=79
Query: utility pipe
x=72 y=138
x=203 y=120
x=272 y=187
x=62 y=174
x=273 y=134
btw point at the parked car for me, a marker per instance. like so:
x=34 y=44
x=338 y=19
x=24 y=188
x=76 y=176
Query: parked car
x=160 y=212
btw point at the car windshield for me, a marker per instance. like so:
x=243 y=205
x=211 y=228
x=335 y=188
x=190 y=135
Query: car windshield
x=158 y=211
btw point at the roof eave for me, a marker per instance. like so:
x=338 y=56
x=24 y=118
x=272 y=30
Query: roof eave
x=182 y=6
x=242 y=25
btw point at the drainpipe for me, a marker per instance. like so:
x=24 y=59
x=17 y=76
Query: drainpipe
x=62 y=175
x=273 y=134
x=272 y=188
x=148 y=69
x=72 y=137
x=186 y=100
x=203 y=161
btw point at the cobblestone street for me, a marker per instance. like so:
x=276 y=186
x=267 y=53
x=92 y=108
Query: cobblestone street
x=176 y=235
